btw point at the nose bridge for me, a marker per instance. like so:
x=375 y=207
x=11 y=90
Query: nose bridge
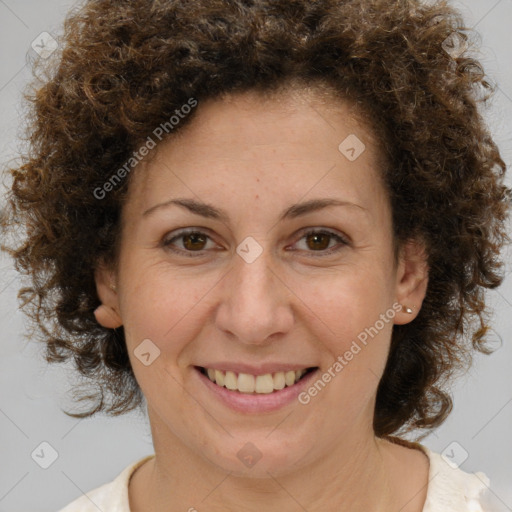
x=254 y=304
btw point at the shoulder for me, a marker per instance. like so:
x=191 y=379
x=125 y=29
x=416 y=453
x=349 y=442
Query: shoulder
x=449 y=488
x=112 y=496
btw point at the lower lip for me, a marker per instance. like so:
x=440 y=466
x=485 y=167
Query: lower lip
x=258 y=402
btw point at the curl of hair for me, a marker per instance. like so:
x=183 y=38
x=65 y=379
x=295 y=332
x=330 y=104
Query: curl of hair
x=125 y=67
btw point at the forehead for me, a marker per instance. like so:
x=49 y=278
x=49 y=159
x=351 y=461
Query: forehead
x=287 y=140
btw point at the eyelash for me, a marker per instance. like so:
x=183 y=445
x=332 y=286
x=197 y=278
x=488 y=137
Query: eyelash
x=167 y=243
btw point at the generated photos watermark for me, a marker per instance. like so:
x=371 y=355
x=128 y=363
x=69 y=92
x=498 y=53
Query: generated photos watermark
x=343 y=360
x=158 y=134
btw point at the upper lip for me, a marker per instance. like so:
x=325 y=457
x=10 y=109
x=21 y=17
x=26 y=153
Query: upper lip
x=260 y=369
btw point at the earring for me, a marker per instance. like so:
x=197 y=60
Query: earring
x=113 y=287
x=408 y=310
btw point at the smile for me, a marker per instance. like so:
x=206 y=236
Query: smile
x=255 y=384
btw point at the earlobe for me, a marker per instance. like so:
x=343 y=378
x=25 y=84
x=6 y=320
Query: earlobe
x=107 y=317
x=107 y=314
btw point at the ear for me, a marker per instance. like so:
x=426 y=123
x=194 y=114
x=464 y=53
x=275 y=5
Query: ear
x=411 y=280
x=107 y=314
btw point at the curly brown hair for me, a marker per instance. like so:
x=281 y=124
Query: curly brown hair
x=123 y=68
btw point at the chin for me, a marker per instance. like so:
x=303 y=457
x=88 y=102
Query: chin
x=257 y=456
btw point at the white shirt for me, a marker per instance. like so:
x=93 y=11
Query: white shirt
x=449 y=490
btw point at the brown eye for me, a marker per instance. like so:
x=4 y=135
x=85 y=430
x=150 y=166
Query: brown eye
x=319 y=241
x=194 y=241
x=191 y=242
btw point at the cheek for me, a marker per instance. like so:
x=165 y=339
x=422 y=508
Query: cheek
x=347 y=303
x=166 y=307
x=354 y=319
x=160 y=320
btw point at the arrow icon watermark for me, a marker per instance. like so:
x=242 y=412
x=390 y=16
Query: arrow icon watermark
x=352 y=147
x=147 y=352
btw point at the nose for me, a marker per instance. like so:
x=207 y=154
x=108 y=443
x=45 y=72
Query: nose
x=255 y=304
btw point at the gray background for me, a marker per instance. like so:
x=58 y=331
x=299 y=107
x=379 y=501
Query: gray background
x=93 y=451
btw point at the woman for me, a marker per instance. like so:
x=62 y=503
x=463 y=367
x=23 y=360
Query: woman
x=271 y=223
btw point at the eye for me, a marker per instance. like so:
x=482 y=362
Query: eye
x=195 y=241
x=192 y=240
x=318 y=240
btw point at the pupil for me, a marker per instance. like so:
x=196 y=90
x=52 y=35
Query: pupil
x=194 y=237
x=316 y=238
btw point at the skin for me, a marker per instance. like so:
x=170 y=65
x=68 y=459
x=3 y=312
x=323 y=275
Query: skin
x=254 y=157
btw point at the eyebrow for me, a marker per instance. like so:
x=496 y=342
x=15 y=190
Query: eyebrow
x=211 y=212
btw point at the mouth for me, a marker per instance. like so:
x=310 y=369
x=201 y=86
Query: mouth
x=245 y=383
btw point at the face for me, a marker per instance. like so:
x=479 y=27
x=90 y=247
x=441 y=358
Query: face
x=221 y=271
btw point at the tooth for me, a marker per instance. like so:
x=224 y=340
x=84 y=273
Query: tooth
x=245 y=383
x=289 y=378
x=230 y=381
x=264 y=383
x=279 y=380
x=219 y=378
